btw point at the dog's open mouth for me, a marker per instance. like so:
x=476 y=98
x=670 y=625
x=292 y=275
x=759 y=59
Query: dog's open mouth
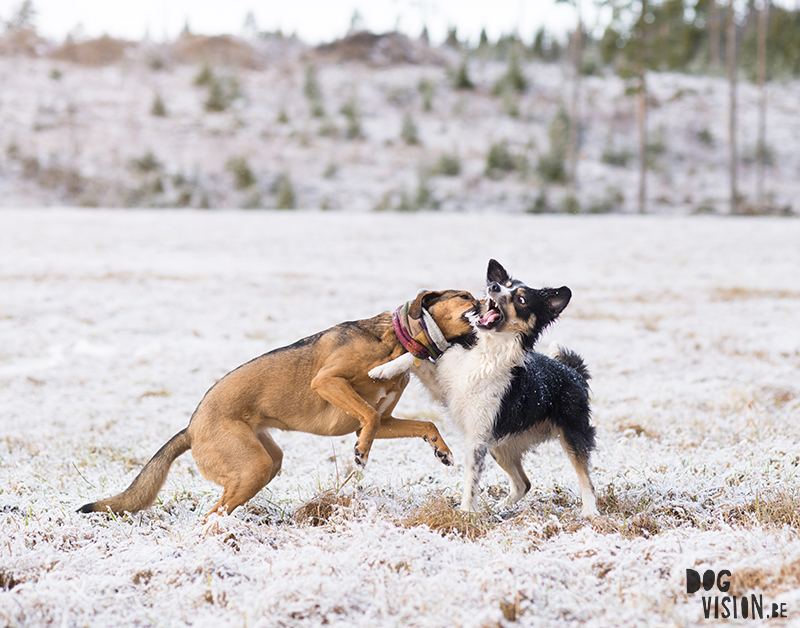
x=493 y=316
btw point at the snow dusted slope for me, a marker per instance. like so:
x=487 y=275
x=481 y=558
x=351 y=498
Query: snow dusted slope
x=77 y=135
x=114 y=323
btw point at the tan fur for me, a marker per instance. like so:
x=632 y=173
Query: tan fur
x=318 y=385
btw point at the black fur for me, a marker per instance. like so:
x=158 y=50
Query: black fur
x=515 y=300
x=545 y=304
x=547 y=390
x=546 y=397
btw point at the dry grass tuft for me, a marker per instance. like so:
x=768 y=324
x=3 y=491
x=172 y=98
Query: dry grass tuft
x=511 y=608
x=770 y=581
x=8 y=580
x=641 y=525
x=740 y=294
x=634 y=429
x=627 y=503
x=142 y=577
x=779 y=507
x=320 y=508
x=439 y=515
x=777 y=396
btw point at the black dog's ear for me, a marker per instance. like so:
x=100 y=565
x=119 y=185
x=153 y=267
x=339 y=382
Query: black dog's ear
x=497 y=273
x=424 y=300
x=557 y=299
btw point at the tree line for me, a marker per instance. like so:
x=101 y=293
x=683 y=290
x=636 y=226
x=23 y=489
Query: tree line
x=754 y=37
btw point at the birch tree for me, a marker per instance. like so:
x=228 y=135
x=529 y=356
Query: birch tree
x=733 y=156
x=761 y=53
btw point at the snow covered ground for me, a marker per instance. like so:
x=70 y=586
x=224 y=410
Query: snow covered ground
x=114 y=323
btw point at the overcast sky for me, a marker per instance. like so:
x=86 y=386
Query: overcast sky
x=313 y=20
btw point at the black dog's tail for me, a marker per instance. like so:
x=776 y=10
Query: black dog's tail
x=569 y=358
x=578 y=431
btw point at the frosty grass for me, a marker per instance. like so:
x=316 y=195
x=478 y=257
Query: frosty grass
x=113 y=324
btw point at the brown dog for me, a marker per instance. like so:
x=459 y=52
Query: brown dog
x=318 y=385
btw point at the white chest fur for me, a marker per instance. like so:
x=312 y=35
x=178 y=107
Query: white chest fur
x=472 y=382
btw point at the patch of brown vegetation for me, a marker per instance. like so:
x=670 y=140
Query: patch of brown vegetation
x=8 y=580
x=627 y=503
x=778 y=508
x=142 y=577
x=224 y=50
x=380 y=50
x=595 y=315
x=642 y=524
x=511 y=608
x=636 y=429
x=742 y=294
x=769 y=581
x=439 y=515
x=152 y=393
x=320 y=508
x=778 y=396
x=23 y=41
x=104 y=50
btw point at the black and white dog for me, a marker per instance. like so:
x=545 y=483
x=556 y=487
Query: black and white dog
x=505 y=397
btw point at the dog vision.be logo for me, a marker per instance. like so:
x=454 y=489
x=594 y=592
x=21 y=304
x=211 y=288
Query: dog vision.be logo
x=729 y=606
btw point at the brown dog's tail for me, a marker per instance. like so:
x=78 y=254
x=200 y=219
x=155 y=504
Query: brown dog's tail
x=143 y=490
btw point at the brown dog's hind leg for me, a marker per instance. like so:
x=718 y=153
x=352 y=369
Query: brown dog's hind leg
x=274 y=452
x=427 y=431
x=239 y=461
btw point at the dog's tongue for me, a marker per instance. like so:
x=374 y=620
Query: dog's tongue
x=490 y=317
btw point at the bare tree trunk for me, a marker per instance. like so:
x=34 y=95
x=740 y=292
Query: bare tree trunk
x=762 y=103
x=731 y=46
x=641 y=114
x=715 y=36
x=574 y=114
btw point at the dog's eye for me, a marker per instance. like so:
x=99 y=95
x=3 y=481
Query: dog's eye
x=521 y=300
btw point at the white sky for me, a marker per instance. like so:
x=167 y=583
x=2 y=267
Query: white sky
x=313 y=20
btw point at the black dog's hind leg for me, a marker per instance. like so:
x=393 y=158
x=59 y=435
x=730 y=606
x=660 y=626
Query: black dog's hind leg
x=578 y=447
x=509 y=457
x=472 y=477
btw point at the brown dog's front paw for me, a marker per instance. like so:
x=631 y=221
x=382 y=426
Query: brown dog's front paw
x=361 y=459
x=445 y=456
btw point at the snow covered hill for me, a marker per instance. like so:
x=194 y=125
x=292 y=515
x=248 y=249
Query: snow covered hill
x=284 y=125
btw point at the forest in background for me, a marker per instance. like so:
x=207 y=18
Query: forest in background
x=558 y=167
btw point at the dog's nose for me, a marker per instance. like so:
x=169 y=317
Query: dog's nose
x=494 y=287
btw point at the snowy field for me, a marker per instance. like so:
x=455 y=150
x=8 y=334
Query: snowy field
x=113 y=324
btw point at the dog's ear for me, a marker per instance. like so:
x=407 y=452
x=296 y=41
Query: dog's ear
x=557 y=299
x=496 y=272
x=424 y=300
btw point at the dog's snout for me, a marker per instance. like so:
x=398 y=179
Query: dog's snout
x=494 y=287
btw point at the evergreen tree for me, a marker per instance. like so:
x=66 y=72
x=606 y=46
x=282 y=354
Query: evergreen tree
x=23 y=17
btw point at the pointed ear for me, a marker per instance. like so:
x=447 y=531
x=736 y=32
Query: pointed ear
x=424 y=300
x=496 y=272
x=557 y=299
